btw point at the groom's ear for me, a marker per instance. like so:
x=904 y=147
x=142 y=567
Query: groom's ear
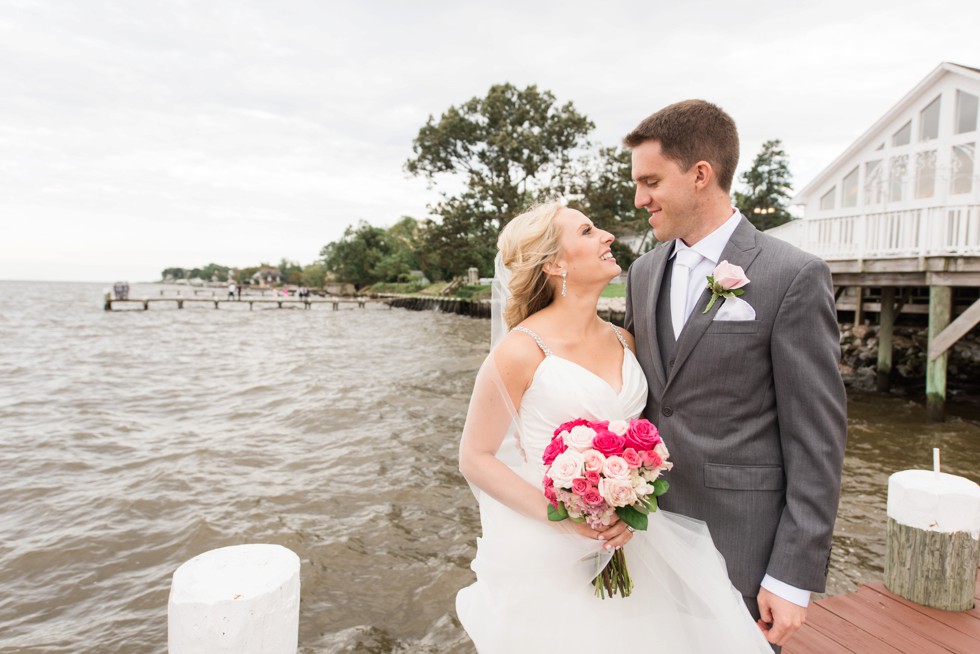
x=704 y=174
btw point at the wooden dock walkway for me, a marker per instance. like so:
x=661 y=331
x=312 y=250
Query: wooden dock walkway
x=112 y=304
x=872 y=620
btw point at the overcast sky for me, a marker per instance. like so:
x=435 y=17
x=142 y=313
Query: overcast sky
x=140 y=135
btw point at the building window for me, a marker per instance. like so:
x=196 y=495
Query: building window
x=929 y=121
x=961 y=180
x=966 y=112
x=829 y=199
x=873 y=187
x=849 y=189
x=898 y=168
x=903 y=136
x=925 y=174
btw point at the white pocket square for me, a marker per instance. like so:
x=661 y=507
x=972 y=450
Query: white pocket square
x=735 y=308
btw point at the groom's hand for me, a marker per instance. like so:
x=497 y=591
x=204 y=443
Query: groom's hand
x=784 y=616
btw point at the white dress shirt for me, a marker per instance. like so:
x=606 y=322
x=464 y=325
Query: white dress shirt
x=710 y=248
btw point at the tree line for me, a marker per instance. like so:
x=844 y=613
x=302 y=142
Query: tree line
x=492 y=157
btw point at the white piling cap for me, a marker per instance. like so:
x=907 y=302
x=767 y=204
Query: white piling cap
x=934 y=501
x=242 y=599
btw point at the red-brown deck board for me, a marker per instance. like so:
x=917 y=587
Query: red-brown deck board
x=872 y=620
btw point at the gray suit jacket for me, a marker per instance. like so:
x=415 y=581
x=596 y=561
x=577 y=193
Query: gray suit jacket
x=754 y=412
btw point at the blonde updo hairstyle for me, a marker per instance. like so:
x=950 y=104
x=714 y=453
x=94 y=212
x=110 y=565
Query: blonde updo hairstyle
x=526 y=244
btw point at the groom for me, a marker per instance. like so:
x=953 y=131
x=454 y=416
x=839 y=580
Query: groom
x=747 y=394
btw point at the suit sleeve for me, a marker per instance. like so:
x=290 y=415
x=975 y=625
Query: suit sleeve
x=812 y=412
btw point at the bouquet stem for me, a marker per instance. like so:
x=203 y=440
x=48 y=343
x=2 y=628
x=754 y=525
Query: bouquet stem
x=614 y=578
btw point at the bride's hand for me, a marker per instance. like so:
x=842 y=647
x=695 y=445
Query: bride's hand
x=615 y=535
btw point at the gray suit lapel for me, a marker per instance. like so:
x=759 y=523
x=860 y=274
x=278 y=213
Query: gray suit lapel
x=741 y=250
x=660 y=266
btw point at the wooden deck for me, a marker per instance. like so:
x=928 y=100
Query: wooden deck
x=874 y=621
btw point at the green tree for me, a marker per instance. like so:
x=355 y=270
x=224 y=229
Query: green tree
x=313 y=275
x=605 y=192
x=358 y=257
x=291 y=271
x=768 y=185
x=510 y=148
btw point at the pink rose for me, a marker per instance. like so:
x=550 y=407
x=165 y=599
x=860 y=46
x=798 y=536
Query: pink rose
x=609 y=443
x=580 y=485
x=549 y=494
x=592 y=476
x=555 y=447
x=593 y=460
x=632 y=458
x=729 y=277
x=642 y=435
x=616 y=468
x=593 y=497
x=618 y=492
x=650 y=459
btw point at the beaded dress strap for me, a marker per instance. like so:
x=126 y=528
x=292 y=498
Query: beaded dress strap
x=619 y=335
x=537 y=339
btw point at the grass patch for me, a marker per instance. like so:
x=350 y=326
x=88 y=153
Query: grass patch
x=614 y=290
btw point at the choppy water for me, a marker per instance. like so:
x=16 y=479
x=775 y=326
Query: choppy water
x=131 y=442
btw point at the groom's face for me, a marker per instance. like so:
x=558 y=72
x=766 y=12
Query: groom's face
x=664 y=190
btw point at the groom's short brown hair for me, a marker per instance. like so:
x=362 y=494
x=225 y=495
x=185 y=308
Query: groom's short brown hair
x=691 y=131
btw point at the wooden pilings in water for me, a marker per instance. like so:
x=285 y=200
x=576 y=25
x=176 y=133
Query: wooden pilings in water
x=940 y=312
x=885 y=332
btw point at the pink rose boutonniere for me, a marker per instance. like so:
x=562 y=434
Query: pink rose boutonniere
x=725 y=281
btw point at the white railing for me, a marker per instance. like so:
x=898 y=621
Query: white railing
x=927 y=232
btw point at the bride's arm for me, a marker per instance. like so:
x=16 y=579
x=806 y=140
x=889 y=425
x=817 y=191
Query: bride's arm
x=500 y=385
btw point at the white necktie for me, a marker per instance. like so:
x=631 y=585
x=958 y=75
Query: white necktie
x=680 y=279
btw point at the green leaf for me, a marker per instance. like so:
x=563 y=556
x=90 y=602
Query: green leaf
x=660 y=487
x=557 y=515
x=738 y=291
x=632 y=517
x=651 y=501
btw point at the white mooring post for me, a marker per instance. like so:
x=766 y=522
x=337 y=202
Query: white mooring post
x=242 y=599
x=933 y=538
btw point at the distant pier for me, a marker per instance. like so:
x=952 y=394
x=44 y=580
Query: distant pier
x=112 y=304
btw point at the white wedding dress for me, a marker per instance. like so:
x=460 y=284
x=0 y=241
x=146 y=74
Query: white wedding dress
x=533 y=591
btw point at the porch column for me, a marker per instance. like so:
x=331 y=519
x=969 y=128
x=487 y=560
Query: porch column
x=940 y=311
x=886 y=326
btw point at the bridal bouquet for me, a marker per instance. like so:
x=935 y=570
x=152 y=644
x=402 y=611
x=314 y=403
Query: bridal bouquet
x=600 y=469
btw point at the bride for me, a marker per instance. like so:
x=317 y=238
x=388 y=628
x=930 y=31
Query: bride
x=555 y=361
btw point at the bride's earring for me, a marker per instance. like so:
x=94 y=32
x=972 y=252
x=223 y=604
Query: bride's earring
x=564 y=282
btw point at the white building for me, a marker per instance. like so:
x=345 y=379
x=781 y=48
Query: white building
x=908 y=187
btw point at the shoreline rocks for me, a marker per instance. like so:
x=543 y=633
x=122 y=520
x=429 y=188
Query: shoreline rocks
x=859 y=358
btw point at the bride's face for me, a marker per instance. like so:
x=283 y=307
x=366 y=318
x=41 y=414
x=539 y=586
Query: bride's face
x=585 y=250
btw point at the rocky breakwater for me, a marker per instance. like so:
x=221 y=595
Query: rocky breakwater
x=859 y=358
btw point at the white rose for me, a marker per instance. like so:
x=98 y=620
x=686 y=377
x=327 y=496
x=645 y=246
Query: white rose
x=616 y=467
x=566 y=467
x=640 y=486
x=617 y=492
x=618 y=427
x=580 y=437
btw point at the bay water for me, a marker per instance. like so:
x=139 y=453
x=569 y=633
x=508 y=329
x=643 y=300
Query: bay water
x=132 y=441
